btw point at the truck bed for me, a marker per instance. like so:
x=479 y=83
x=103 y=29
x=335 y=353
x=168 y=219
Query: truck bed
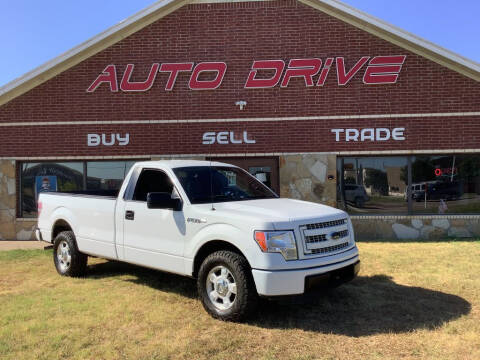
x=92 y=213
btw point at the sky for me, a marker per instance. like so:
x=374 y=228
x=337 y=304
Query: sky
x=33 y=32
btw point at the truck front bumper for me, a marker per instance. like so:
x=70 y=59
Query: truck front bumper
x=295 y=282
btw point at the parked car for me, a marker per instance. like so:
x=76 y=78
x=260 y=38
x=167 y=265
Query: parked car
x=417 y=191
x=436 y=190
x=211 y=221
x=356 y=194
x=447 y=190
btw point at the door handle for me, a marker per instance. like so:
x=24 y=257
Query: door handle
x=129 y=215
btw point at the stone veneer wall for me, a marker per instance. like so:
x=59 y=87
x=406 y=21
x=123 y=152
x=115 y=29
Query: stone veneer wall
x=10 y=227
x=428 y=227
x=305 y=177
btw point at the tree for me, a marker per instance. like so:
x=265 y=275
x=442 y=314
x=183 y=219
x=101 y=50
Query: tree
x=377 y=180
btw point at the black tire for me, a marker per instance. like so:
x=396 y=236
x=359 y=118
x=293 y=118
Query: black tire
x=245 y=300
x=74 y=263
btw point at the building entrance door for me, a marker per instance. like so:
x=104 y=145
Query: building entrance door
x=264 y=169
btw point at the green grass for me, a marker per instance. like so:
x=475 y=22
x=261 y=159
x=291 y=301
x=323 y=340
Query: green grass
x=411 y=300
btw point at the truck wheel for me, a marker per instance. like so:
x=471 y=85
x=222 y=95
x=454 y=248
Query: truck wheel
x=226 y=287
x=68 y=260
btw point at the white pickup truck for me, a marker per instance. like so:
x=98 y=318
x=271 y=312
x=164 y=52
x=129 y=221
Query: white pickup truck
x=207 y=220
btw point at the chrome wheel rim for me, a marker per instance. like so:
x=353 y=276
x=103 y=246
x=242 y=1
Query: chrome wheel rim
x=221 y=288
x=64 y=256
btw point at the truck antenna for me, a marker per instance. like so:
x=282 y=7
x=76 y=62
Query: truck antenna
x=211 y=183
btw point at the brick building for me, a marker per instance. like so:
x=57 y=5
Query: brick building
x=320 y=101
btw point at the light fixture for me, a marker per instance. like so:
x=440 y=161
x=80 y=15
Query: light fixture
x=241 y=103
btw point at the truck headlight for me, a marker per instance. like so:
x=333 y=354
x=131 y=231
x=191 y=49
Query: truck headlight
x=282 y=242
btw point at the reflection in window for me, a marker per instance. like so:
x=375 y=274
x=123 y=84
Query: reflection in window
x=107 y=175
x=232 y=178
x=262 y=173
x=373 y=184
x=220 y=184
x=39 y=177
x=446 y=184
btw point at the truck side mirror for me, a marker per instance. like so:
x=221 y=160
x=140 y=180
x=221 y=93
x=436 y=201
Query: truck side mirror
x=163 y=200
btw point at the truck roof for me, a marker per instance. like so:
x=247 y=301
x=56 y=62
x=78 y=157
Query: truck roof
x=180 y=163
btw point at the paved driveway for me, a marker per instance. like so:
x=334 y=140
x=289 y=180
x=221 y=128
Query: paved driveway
x=14 y=245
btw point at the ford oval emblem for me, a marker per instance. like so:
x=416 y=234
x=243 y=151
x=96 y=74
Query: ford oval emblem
x=335 y=235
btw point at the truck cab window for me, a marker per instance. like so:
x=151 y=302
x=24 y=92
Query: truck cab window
x=151 y=181
x=220 y=184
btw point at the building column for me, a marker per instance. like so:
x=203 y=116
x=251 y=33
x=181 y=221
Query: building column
x=10 y=228
x=310 y=177
x=7 y=200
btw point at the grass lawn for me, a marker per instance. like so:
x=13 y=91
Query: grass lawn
x=411 y=300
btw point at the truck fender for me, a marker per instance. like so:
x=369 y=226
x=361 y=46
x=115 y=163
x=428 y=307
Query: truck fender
x=218 y=232
x=64 y=214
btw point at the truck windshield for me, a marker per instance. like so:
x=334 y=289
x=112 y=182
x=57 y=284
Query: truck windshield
x=204 y=184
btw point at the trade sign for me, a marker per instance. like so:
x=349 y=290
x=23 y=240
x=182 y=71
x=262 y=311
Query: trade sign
x=371 y=134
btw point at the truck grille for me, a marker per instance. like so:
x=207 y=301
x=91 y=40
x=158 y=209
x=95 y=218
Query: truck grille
x=325 y=237
x=315 y=238
x=326 y=224
x=330 y=248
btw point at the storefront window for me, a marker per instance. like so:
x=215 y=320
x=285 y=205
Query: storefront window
x=41 y=177
x=440 y=184
x=107 y=175
x=68 y=176
x=373 y=185
x=446 y=184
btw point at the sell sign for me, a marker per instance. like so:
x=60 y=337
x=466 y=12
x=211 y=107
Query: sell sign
x=225 y=138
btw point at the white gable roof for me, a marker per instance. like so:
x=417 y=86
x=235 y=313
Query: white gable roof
x=162 y=8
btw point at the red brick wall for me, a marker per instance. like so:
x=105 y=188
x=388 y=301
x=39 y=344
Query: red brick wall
x=239 y=33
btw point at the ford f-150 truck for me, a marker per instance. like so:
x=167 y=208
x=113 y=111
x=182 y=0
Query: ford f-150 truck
x=208 y=220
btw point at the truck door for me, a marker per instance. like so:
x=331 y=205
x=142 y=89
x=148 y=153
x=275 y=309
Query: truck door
x=153 y=237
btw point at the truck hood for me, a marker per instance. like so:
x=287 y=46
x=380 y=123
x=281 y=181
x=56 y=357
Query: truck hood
x=277 y=210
